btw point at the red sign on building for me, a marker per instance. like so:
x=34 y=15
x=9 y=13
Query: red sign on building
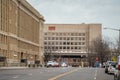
x=51 y=28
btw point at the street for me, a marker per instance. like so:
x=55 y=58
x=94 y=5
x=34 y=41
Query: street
x=68 y=73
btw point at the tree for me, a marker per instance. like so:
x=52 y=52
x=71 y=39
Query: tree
x=99 y=50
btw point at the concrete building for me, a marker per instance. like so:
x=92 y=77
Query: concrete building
x=21 y=28
x=69 y=42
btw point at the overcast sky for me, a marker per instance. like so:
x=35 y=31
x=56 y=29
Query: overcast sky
x=106 y=12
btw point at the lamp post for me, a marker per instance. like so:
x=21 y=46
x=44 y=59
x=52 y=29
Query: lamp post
x=119 y=37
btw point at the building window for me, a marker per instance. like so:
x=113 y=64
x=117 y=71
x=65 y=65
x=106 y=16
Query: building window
x=56 y=43
x=56 y=38
x=68 y=38
x=64 y=38
x=75 y=47
x=75 y=43
x=79 y=38
x=64 y=34
x=79 y=43
x=83 y=34
x=71 y=38
x=79 y=34
x=45 y=43
x=68 y=43
x=83 y=38
x=60 y=47
x=45 y=34
x=49 y=38
x=79 y=47
x=45 y=47
x=83 y=43
x=71 y=47
x=75 y=34
x=72 y=34
x=53 y=38
x=56 y=34
x=45 y=38
x=64 y=43
x=64 y=47
x=53 y=48
x=76 y=38
x=60 y=38
x=74 y=60
x=52 y=43
x=68 y=47
x=60 y=43
x=56 y=47
x=68 y=34
x=53 y=33
x=49 y=43
x=60 y=34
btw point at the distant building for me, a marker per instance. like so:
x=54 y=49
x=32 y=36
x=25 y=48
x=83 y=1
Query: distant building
x=21 y=37
x=70 y=42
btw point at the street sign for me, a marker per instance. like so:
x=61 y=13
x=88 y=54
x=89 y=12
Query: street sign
x=114 y=58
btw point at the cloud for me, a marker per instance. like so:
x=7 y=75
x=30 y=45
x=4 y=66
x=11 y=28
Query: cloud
x=106 y=12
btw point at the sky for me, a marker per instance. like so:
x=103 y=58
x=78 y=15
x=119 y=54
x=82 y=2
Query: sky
x=106 y=12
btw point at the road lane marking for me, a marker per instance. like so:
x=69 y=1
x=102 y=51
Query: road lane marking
x=95 y=74
x=41 y=72
x=15 y=76
x=30 y=74
x=66 y=73
x=94 y=78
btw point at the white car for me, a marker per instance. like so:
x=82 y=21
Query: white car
x=116 y=75
x=64 y=64
x=50 y=64
x=56 y=64
x=111 y=69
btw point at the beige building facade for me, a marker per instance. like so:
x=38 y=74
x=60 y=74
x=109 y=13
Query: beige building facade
x=70 y=42
x=21 y=30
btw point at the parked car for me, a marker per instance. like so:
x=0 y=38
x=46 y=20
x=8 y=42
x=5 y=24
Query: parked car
x=117 y=72
x=110 y=67
x=52 y=64
x=56 y=64
x=116 y=75
x=75 y=65
x=64 y=64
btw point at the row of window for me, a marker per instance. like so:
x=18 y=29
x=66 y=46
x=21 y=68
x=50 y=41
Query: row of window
x=3 y=39
x=3 y=52
x=64 y=43
x=60 y=47
x=64 y=38
x=64 y=34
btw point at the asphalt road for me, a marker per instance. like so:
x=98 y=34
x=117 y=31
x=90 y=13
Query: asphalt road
x=55 y=73
x=88 y=74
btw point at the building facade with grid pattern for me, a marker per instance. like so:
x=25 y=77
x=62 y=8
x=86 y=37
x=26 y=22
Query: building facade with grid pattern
x=69 y=42
x=21 y=28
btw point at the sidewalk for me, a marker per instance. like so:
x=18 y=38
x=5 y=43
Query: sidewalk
x=2 y=68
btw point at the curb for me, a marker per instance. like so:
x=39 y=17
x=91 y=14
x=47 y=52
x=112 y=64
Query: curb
x=3 y=68
x=11 y=68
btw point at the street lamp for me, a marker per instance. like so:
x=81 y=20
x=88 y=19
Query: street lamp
x=119 y=37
